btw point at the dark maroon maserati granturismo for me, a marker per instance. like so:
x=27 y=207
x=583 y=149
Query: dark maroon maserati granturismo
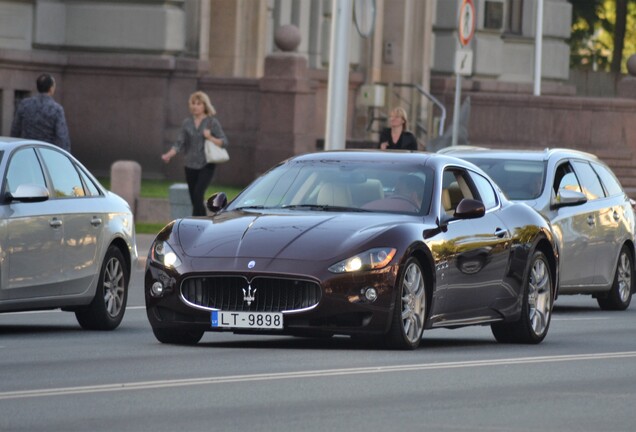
x=380 y=245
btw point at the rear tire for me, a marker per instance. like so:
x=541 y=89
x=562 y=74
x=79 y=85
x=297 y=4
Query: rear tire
x=109 y=304
x=536 y=311
x=409 y=312
x=178 y=337
x=620 y=295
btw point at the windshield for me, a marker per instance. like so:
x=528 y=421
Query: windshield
x=518 y=179
x=340 y=186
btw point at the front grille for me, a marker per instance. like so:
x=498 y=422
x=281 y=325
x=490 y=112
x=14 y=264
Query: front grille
x=269 y=294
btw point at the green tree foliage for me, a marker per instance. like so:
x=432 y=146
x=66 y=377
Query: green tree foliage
x=599 y=40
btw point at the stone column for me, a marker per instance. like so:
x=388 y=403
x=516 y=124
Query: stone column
x=627 y=86
x=286 y=108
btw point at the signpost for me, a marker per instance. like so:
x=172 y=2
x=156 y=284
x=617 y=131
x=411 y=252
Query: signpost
x=463 y=57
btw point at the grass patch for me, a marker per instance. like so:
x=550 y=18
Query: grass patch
x=159 y=189
x=148 y=227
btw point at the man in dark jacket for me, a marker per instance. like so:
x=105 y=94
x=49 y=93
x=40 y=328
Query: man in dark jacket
x=41 y=118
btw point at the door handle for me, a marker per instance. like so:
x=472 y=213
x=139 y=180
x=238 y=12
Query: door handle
x=616 y=216
x=501 y=233
x=96 y=221
x=590 y=220
x=55 y=223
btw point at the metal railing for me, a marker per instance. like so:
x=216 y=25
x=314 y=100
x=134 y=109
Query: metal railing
x=422 y=113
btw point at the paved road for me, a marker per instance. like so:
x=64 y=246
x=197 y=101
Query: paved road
x=56 y=377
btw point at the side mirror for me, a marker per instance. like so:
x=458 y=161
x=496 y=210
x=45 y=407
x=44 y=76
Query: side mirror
x=469 y=209
x=217 y=202
x=29 y=193
x=567 y=197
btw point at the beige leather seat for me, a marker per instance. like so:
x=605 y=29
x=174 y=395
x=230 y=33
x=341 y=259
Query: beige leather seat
x=334 y=194
x=446 y=201
x=363 y=193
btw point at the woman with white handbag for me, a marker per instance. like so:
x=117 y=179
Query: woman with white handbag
x=197 y=132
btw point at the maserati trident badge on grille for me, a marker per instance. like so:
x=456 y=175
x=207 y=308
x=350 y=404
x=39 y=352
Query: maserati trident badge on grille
x=249 y=296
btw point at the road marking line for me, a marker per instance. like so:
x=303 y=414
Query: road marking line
x=148 y=385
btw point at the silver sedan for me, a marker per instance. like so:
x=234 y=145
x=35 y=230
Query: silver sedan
x=65 y=241
x=591 y=215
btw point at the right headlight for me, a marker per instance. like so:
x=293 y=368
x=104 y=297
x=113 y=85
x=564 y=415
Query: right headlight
x=162 y=253
x=372 y=259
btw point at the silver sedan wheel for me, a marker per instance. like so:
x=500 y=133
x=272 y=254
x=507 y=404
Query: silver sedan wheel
x=413 y=303
x=114 y=287
x=539 y=297
x=624 y=276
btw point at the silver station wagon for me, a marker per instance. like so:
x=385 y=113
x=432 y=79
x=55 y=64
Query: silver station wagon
x=591 y=216
x=65 y=241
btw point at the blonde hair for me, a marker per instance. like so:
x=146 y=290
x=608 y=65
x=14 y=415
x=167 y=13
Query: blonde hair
x=400 y=112
x=205 y=100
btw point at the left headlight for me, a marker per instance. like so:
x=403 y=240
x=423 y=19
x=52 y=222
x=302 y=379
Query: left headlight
x=372 y=259
x=162 y=253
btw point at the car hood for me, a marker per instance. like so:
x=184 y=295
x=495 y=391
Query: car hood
x=310 y=235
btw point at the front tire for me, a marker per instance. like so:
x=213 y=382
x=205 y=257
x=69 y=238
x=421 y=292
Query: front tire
x=536 y=311
x=409 y=313
x=178 y=337
x=109 y=304
x=620 y=295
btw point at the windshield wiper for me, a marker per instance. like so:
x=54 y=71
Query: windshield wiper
x=324 y=207
x=253 y=207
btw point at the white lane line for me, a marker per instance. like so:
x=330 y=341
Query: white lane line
x=580 y=319
x=148 y=385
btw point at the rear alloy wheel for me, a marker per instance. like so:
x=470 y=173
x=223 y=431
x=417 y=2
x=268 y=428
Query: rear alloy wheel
x=532 y=326
x=178 y=337
x=109 y=304
x=410 y=308
x=620 y=295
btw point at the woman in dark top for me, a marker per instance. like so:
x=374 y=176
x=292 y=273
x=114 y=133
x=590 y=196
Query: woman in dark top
x=195 y=130
x=397 y=137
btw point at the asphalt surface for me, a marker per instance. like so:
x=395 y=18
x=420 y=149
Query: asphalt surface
x=143 y=246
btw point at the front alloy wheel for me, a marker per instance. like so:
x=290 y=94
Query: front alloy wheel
x=109 y=304
x=410 y=309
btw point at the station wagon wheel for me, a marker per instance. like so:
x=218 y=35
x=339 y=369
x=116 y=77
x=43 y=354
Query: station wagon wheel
x=109 y=304
x=177 y=336
x=409 y=314
x=620 y=295
x=536 y=311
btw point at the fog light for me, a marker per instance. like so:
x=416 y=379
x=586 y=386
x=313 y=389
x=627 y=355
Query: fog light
x=371 y=294
x=157 y=289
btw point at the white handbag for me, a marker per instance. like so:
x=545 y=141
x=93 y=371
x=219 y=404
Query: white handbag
x=215 y=154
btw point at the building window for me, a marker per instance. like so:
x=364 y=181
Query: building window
x=515 y=16
x=493 y=15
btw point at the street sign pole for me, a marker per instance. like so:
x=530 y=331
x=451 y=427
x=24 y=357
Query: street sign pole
x=456 y=105
x=465 y=31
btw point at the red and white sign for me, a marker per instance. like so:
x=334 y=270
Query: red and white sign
x=466 y=28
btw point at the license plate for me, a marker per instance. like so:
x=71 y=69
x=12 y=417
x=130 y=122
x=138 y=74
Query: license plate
x=249 y=320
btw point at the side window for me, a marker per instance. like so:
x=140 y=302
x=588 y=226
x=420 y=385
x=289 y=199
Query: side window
x=65 y=178
x=564 y=178
x=611 y=183
x=92 y=189
x=592 y=187
x=454 y=189
x=486 y=192
x=24 y=168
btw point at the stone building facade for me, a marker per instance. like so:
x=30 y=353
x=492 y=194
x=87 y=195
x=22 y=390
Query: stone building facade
x=125 y=70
